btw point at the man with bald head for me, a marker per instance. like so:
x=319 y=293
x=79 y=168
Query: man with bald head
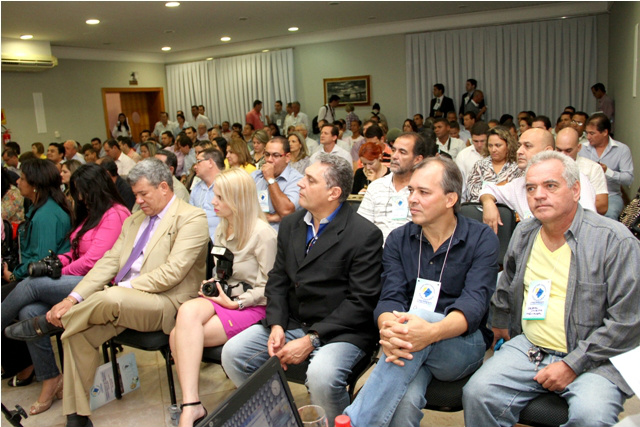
x=71 y=151
x=568 y=143
x=513 y=194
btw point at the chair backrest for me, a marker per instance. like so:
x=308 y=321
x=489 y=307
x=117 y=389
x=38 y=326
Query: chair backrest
x=474 y=210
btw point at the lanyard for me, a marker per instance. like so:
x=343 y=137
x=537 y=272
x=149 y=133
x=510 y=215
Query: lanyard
x=445 y=256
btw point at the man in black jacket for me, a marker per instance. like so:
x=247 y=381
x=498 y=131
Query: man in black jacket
x=321 y=292
x=440 y=104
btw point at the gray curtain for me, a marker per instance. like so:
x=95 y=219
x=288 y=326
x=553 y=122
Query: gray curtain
x=539 y=66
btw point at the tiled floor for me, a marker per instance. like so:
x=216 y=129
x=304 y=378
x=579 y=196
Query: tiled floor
x=147 y=406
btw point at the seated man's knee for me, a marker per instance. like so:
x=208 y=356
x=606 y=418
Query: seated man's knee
x=598 y=405
x=321 y=377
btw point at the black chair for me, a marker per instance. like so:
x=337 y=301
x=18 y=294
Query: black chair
x=546 y=410
x=147 y=341
x=298 y=373
x=474 y=210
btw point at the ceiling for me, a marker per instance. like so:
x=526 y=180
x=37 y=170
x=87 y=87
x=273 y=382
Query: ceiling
x=145 y=27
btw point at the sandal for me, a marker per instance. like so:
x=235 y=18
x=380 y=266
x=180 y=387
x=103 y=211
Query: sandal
x=39 y=407
x=196 y=404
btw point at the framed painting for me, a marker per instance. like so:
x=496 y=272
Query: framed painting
x=355 y=90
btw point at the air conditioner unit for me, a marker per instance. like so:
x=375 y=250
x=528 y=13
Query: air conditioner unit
x=30 y=63
x=19 y=55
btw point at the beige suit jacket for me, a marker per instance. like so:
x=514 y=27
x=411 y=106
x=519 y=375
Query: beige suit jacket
x=174 y=260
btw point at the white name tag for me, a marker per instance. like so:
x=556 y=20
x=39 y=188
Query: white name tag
x=537 y=300
x=399 y=208
x=425 y=296
x=263 y=199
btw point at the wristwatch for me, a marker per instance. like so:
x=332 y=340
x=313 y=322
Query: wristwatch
x=240 y=305
x=315 y=339
x=271 y=181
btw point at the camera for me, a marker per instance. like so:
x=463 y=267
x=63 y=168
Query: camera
x=223 y=270
x=47 y=266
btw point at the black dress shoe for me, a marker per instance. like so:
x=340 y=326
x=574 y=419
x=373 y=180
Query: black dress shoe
x=75 y=420
x=31 y=329
x=17 y=382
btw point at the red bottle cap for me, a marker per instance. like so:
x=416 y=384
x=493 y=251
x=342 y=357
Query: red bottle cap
x=343 y=421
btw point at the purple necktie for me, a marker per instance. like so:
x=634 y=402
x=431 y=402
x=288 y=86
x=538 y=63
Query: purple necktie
x=137 y=250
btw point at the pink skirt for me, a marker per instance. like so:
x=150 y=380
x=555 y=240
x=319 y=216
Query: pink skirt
x=236 y=321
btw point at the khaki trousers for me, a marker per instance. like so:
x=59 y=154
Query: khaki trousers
x=97 y=319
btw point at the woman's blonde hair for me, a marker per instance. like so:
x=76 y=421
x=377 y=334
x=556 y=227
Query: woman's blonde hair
x=239 y=147
x=238 y=190
x=304 y=152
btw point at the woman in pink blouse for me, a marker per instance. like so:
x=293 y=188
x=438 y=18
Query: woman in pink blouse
x=98 y=216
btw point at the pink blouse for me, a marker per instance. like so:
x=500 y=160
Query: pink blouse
x=95 y=242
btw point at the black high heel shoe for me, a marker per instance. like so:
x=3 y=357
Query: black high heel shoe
x=196 y=404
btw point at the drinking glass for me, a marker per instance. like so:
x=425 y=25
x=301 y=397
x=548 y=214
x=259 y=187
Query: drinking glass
x=313 y=416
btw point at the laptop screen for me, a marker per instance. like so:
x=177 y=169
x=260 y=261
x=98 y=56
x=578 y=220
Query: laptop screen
x=264 y=400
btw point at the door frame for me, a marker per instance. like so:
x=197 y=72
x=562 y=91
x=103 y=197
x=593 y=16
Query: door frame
x=106 y=90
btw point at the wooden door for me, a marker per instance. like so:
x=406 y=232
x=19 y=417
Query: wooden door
x=142 y=106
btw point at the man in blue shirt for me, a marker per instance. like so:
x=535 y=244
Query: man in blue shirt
x=208 y=164
x=277 y=182
x=613 y=156
x=321 y=291
x=439 y=273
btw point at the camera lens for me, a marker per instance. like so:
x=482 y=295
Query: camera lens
x=210 y=289
x=37 y=269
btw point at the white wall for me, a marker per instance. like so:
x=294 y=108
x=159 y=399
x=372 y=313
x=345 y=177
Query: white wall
x=72 y=98
x=624 y=17
x=380 y=57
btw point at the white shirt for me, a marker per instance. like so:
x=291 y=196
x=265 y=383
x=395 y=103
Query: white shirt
x=456 y=146
x=160 y=128
x=376 y=205
x=125 y=164
x=337 y=150
x=312 y=145
x=594 y=172
x=79 y=158
x=465 y=160
x=514 y=195
x=292 y=120
x=195 y=121
x=465 y=135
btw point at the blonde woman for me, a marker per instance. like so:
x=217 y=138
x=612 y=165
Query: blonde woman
x=238 y=155
x=299 y=152
x=260 y=139
x=211 y=321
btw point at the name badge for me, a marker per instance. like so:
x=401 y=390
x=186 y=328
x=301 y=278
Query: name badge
x=526 y=215
x=425 y=296
x=263 y=199
x=279 y=122
x=399 y=208
x=537 y=300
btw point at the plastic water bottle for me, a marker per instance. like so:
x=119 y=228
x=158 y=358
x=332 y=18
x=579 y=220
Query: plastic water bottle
x=342 y=421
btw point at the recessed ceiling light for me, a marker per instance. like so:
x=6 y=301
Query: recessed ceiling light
x=564 y=17
x=26 y=37
x=293 y=28
x=265 y=50
x=225 y=38
x=92 y=21
x=166 y=48
x=172 y=4
x=209 y=59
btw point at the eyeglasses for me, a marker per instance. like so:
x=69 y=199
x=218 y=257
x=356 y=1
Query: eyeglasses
x=201 y=160
x=275 y=156
x=577 y=123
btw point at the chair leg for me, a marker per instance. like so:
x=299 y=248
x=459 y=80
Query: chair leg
x=60 y=351
x=172 y=388
x=116 y=373
x=105 y=352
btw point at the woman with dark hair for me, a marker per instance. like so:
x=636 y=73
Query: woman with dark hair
x=98 y=217
x=500 y=166
x=48 y=220
x=274 y=130
x=68 y=168
x=221 y=143
x=409 y=126
x=121 y=128
x=182 y=123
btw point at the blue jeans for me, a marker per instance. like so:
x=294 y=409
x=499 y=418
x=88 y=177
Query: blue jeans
x=616 y=204
x=32 y=297
x=500 y=390
x=326 y=376
x=395 y=395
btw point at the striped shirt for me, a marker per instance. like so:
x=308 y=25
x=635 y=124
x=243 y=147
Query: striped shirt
x=378 y=204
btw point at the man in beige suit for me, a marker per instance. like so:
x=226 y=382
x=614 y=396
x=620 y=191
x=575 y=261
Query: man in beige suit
x=152 y=272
